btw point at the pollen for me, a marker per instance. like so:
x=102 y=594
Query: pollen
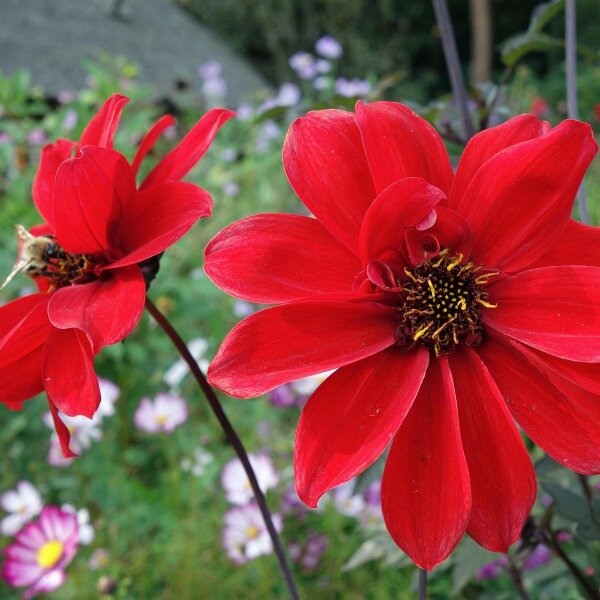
x=49 y=554
x=442 y=300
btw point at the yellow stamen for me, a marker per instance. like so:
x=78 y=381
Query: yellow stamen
x=432 y=289
x=455 y=261
x=252 y=531
x=439 y=330
x=409 y=274
x=462 y=304
x=487 y=304
x=421 y=332
x=49 y=554
x=483 y=278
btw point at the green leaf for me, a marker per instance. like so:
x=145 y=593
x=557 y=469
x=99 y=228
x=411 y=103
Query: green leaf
x=543 y=14
x=568 y=504
x=517 y=46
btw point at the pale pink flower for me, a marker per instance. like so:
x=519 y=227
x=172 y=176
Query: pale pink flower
x=163 y=414
x=21 y=504
x=245 y=535
x=235 y=481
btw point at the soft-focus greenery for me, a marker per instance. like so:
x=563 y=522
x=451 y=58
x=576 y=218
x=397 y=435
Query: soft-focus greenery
x=161 y=524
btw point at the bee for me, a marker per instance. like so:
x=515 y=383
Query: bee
x=34 y=254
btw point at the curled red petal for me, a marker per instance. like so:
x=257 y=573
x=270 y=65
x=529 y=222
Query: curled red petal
x=503 y=485
x=298 y=339
x=149 y=140
x=399 y=143
x=156 y=218
x=62 y=431
x=51 y=157
x=101 y=130
x=326 y=165
x=485 y=144
x=107 y=309
x=425 y=492
x=405 y=203
x=273 y=258
x=561 y=418
x=69 y=377
x=190 y=149
x=553 y=309
x=90 y=195
x=349 y=420
x=522 y=197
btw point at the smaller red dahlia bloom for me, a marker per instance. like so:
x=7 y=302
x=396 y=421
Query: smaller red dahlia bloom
x=88 y=257
x=448 y=303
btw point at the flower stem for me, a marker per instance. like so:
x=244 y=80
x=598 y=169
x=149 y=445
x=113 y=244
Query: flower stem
x=422 y=584
x=232 y=436
x=572 y=111
x=457 y=81
x=516 y=576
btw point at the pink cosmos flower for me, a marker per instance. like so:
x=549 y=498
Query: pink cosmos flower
x=22 y=504
x=163 y=414
x=235 y=481
x=245 y=535
x=41 y=551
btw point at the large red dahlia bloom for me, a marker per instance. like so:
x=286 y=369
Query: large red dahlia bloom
x=449 y=305
x=86 y=257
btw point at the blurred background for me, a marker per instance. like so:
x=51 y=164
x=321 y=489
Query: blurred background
x=155 y=491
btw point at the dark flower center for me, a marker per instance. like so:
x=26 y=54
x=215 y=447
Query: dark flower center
x=61 y=268
x=442 y=302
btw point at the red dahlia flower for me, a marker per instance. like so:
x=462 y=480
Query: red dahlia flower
x=86 y=257
x=449 y=305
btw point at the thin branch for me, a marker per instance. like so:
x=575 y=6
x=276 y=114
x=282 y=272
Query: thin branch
x=422 y=584
x=572 y=110
x=457 y=81
x=515 y=575
x=232 y=436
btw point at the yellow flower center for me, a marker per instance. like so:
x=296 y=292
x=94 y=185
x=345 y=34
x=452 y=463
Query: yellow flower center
x=252 y=531
x=161 y=419
x=49 y=554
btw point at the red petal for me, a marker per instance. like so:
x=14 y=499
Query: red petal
x=149 y=140
x=107 y=309
x=425 y=495
x=578 y=244
x=563 y=421
x=64 y=435
x=405 y=203
x=450 y=231
x=298 y=339
x=274 y=258
x=485 y=144
x=156 y=218
x=399 y=144
x=190 y=149
x=22 y=379
x=69 y=376
x=503 y=485
x=51 y=157
x=91 y=193
x=102 y=128
x=24 y=327
x=520 y=201
x=554 y=309
x=351 y=418
x=326 y=165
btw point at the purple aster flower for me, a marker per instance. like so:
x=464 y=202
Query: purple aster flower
x=313 y=549
x=229 y=154
x=210 y=70
x=352 y=88
x=243 y=308
x=303 y=64
x=215 y=88
x=230 y=189
x=282 y=396
x=492 y=570
x=245 y=535
x=163 y=414
x=564 y=537
x=540 y=556
x=373 y=493
x=37 y=137
x=329 y=47
x=322 y=66
x=235 y=481
x=41 y=551
x=70 y=120
x=290 y=503
x=21 y=504
x=288 y=95
x=5 y=138
x=322 y=82
x=244 y=112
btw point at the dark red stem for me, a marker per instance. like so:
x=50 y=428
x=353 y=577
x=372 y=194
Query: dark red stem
x=232 y=436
